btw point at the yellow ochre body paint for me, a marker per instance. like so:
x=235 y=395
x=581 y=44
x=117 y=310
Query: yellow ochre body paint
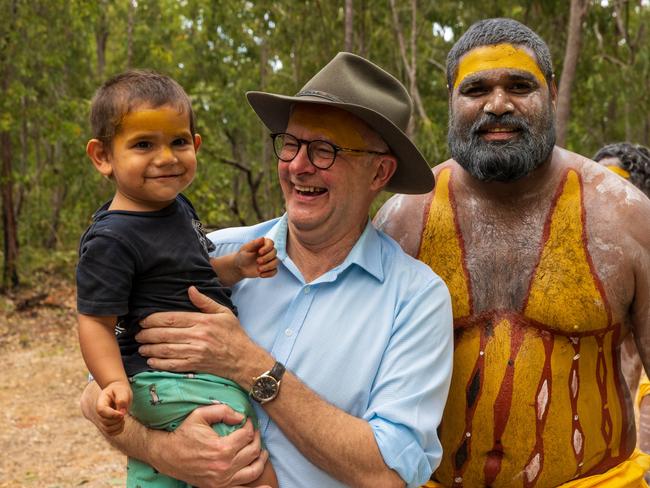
x=506 y=56
x=619 y=171
x=331 y=124
x=165 y=120
x=535 y=397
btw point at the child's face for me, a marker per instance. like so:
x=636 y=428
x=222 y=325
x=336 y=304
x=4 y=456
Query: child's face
x=153 y=158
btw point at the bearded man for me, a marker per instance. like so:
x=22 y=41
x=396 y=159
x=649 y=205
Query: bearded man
x=547 y=258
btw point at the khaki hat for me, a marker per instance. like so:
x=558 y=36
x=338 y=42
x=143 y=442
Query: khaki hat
x=362 y=88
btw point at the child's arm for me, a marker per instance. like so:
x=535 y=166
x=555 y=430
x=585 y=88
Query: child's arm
x=256 y=258
x=102 y=356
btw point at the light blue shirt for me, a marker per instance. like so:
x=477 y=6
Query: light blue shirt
x=373 y=336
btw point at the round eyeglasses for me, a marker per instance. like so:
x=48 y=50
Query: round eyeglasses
x=321 y=154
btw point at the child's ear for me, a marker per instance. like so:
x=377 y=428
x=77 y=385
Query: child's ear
x=100 y=157
x=197 y=142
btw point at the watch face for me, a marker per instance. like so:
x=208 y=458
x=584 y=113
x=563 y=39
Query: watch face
x=265 y=388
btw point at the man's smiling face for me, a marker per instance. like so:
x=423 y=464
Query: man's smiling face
x=501 y=118
x=337 y=199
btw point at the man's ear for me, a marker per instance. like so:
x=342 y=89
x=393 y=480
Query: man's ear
x=100 y=157
x=385 y=171
x=197 y=142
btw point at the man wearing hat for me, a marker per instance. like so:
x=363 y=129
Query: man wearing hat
x=347 y=350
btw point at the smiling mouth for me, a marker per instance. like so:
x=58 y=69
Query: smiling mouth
x=309 y=190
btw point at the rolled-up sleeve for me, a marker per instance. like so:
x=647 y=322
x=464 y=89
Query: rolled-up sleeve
x=411 y=387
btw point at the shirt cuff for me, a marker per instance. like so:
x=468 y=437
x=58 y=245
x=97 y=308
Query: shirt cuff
x=402 y=452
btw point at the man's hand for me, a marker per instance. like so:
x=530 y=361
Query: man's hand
x=193 y=453
x=210 y=341
x=257 y=258
x=112 y=405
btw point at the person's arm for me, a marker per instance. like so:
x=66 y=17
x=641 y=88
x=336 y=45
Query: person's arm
x=102 y=356
x=639 y=250
x=341 y=444
x=256 y=258
x=193 y=453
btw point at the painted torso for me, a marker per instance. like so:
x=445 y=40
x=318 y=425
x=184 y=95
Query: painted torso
x=537 y=397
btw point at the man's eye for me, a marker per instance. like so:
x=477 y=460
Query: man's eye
x=522 y=87
x=472 y=90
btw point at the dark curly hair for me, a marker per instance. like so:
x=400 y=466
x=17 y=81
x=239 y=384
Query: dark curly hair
x=634 y=158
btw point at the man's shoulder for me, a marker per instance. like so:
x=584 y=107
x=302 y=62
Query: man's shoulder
x=398 y=265
x=241 y=235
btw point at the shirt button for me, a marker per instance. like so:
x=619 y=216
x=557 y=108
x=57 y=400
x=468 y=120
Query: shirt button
x=307 y=289
x=288 y=332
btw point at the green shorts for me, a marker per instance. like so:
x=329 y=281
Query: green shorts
x=162 y=400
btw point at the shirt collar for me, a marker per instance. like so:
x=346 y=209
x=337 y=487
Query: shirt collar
x=366 y=252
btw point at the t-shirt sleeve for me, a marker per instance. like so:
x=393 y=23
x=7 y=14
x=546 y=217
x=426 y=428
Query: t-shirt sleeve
x=104 y=276
x=408 y=398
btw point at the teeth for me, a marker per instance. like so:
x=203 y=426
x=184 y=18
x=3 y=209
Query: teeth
x=310 y=189
x=500 y=129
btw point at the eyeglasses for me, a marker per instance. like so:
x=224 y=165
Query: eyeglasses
x=321 y=154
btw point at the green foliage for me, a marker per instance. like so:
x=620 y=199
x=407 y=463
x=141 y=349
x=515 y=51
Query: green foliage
x=55 y=54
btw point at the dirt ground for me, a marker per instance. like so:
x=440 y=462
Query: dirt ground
x=45 y=441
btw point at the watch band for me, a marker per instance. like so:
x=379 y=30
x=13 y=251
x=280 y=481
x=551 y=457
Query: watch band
x=277 y=371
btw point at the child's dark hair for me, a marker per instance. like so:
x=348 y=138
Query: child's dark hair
x=126 y=91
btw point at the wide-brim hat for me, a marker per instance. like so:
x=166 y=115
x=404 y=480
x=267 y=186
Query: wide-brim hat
x=362 y=88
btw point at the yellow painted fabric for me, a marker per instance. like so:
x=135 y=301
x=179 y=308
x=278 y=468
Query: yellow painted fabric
x=628 y=474
x=644 y=389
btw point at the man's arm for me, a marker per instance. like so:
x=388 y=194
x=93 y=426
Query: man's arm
x=339 y=443
x=193 y=453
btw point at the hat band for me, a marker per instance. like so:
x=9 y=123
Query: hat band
x=319 y=94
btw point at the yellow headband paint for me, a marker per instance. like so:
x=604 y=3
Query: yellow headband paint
x=336 y=125
x=165 y=120
x=494 y=57
x=619 y=171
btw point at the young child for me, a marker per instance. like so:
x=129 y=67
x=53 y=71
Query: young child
x=142 y=251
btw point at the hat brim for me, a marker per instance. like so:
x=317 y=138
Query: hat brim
x=413 y=174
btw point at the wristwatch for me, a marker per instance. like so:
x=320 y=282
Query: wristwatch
x=267 y=385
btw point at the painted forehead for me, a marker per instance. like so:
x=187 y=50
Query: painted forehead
x=333 y=124
x=484 y=58
x=165 y=119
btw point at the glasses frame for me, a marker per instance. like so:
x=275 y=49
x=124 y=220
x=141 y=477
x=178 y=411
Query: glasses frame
x=337 y=149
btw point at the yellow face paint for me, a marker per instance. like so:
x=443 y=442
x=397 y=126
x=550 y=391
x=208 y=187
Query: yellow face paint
x=619 y=171
x=163 y=120
x=500 y=56
x=331 y=123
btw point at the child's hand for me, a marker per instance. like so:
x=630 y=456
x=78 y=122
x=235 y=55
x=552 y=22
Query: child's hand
x=112 y=405
x=257 y=258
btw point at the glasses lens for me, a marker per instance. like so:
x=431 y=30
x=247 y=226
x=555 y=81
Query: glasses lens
x=321 y=154
x=286 y=147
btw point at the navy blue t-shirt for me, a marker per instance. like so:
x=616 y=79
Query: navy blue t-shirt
x=132 y=264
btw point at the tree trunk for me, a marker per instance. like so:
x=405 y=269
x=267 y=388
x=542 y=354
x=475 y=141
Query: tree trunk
x=10 y=271
x=410 y=65
x=349 y=17
x=101 y=38
x=571 y=55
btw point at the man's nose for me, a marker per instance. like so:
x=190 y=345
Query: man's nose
x=498 y=103
x=301 y=163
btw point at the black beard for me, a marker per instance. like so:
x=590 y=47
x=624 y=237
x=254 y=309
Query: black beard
x=502 y=161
